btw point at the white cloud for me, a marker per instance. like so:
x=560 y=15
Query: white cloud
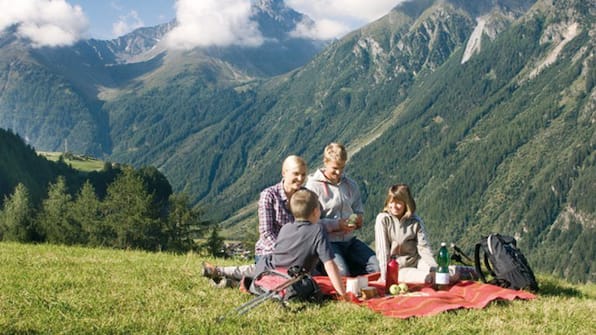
x=335 y=18
x=127 y=23
x=227 y=22
x=323 y=29
x=213 y=22
x=117 y=6
x=44 y=22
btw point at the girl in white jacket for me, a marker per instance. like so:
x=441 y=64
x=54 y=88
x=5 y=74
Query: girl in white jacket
x=400 y=232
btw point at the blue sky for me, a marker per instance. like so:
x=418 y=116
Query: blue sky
x=200 y=22
x=112 y=18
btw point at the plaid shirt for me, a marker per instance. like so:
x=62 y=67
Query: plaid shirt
x=273 y=214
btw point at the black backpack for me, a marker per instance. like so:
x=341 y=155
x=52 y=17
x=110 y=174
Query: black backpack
x=505 y=262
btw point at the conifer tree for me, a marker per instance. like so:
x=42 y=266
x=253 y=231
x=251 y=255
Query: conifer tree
x=55 y=218
x=129 y=213
x=214 y=243
x=86 y=209
x=183 y=224
x=15 y=218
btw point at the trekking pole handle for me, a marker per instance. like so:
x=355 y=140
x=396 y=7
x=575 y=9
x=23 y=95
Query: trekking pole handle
x=296 y=271
x=456 y=248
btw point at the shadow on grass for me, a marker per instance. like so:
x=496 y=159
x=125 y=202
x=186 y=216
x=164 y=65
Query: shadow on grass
x=553 y=288
x=293 y=306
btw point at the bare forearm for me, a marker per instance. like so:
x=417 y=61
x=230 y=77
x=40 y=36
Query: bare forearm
x=331 y=225
x=335 y=277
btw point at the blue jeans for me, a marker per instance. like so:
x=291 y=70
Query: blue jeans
x=354 y=258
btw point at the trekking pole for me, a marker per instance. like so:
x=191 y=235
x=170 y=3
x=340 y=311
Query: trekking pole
x=456 y=248
x=297 y=276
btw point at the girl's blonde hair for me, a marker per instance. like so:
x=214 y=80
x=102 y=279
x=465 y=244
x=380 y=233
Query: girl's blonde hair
x=401 y=192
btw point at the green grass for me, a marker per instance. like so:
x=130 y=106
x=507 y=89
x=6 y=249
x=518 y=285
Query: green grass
x=47 y=289
x=82 y=163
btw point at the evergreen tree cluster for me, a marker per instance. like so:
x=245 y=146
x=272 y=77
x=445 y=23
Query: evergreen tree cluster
x=118 y=207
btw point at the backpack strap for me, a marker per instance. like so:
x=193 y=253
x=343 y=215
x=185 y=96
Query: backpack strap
x=477 y=262
x=487 y=264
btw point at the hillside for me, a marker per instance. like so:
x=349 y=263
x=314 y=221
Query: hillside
x=495 y=142
x=70 y=85
x=511 y=146
x=485 y=108
x=508 y=148
x=21 y=164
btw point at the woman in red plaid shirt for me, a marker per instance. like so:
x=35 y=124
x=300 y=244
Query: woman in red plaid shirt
x=274 y=212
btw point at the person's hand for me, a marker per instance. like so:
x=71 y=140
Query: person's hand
x=430 y=278
x=343 y=225
x=346 y=297
x=359 y=221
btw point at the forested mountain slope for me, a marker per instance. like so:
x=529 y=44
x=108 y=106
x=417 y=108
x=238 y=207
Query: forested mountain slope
x=504 y=142
x=486 y=108
x=50 y=96
x=500 y=138
x=21 y=164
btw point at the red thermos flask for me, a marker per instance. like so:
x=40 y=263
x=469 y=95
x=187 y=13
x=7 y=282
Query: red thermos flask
x=392 y=273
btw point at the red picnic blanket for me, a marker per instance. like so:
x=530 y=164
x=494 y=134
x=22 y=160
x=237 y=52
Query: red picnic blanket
x=423 y=300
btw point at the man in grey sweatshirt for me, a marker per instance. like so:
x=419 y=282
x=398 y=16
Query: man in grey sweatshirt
x=342 y=213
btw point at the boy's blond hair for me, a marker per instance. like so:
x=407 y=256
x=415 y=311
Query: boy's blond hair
x=303 y=203
x=335 y=152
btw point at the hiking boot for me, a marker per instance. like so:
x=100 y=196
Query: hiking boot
x=224 y=283
x=211 y=271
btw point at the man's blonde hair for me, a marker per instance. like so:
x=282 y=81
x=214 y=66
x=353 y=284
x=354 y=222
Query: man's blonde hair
x=303 y=203
x=335 y=152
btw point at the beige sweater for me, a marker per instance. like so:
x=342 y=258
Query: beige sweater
x=407 y=240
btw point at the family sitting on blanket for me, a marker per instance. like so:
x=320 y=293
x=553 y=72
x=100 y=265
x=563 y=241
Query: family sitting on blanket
x=398 y=230
x=339 y=197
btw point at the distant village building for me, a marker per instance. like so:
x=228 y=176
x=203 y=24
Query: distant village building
x=235 y=250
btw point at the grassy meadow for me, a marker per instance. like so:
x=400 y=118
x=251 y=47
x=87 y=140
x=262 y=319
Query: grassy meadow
x=78 y=162
x=46 y=289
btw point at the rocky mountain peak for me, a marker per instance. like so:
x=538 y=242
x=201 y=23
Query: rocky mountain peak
x=275 y=19
x=141 y=39
x=266 y=5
